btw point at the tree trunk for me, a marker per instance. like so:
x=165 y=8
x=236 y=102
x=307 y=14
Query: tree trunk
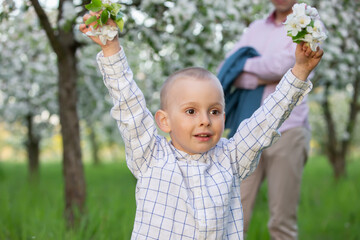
x=94 y=145
x=75 y=192
x=33 y=149
x=338 y=164
x=335 y=153
x=65 y=45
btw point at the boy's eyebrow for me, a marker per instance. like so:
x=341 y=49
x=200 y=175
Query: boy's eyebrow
x=196 y=104
x=189 y=103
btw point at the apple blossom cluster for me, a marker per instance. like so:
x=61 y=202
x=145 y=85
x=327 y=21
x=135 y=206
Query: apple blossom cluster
x=304 y=25
x=106 y=9
x=104 y=33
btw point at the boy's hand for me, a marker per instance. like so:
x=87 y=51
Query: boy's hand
x=305 y=60
x=112 y=46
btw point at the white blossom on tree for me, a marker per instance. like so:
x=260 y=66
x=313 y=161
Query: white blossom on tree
x=339 y=72
x=28 y=86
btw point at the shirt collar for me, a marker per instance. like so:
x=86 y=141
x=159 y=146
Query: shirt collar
x=183 y=156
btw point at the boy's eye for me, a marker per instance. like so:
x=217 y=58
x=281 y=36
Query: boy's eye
x=214 y=112
x=190 y=111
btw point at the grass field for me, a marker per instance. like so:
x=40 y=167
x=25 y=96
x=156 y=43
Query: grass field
x=328 y=210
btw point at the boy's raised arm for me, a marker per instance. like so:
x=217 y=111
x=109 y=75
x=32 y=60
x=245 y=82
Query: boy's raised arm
x=134 y=120
x=259 y=131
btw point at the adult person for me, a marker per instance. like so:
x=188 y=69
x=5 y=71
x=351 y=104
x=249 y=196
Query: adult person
x=282 y=164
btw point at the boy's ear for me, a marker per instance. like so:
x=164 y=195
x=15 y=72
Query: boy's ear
x=161 y=118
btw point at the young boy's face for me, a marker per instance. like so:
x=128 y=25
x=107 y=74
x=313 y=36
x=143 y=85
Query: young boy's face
x=195 y=114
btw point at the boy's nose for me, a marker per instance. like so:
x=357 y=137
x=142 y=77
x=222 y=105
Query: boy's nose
x=205 y=120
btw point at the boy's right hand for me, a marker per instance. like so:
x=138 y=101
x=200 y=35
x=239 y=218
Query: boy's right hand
x=111 y=47
x=305 y=60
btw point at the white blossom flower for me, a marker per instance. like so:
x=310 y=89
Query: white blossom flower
x=304 y=25
x=299 y=9
x=104 y=33
x=303 y=20
x=289 y=18
x=293 y=27
x=312 y=12
x=308 y=38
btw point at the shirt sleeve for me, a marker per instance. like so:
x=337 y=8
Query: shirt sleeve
x=134 y=120
x=246 y=81
x=261 y=129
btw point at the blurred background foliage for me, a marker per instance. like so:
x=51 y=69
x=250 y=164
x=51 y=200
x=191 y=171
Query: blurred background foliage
x=159 y=38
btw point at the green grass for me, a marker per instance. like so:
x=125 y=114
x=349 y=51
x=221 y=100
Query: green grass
x=35 y=211
x=328 y=210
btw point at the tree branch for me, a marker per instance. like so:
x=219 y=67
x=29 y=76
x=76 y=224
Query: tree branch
x=44 y=20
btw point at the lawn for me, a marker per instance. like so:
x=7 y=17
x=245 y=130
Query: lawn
x=35 y=211
x=328 y=210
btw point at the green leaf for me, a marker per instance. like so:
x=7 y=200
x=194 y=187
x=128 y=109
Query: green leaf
x=104 y=16
x=301 y=34
x=120 y=24
x=109 y=11
x=115 y=8
x=94 y=6
x=90 y=20
x=119 y=16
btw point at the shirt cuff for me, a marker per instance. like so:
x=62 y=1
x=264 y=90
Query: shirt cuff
x=291 y=79
x=114 y=64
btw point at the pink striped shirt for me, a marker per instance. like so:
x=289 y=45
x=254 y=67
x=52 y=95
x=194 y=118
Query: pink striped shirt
x=277 y=55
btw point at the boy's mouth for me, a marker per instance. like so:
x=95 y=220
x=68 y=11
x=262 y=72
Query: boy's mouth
x=203 y=136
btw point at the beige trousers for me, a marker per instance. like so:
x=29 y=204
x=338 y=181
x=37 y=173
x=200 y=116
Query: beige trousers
x=282 y=164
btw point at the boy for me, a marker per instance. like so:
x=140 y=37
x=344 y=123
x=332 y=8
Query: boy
x=189 y=188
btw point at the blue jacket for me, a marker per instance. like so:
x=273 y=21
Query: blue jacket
x=239 y=103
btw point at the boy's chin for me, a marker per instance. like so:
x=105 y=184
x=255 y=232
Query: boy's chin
x=191 y=150
x=198 y=151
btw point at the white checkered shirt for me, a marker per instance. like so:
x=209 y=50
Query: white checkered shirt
x=182 y=196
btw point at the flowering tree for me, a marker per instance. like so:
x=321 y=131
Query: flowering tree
x=27 y=81
x=93 y=108
x=175 y=34
x=160 y=36
x=187 y=33
x=177 y=37
x=60 y=33
x=339 y=71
